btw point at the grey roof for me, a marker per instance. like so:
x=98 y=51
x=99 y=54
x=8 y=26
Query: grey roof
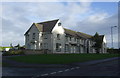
x=77 y=34
x=46 y=26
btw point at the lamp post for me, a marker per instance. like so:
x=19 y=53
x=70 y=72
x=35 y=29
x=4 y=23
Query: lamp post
x=112 y=35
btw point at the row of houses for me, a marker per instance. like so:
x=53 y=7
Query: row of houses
x=52 y=36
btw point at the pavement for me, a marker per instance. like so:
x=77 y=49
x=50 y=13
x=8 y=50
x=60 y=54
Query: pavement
x=105 y=67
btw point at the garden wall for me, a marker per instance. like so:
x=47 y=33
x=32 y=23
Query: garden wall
x=29 y=51
x=113 y=51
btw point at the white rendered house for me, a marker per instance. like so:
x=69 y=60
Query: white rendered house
x=50 y=35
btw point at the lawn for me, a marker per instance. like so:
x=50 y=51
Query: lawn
x=60 y=58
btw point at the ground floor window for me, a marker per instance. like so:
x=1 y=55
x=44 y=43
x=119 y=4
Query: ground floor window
x=66 y=47
x=58 y=47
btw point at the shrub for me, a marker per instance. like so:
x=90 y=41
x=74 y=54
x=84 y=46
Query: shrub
x=13 y=52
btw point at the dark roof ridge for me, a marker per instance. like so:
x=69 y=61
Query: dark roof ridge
x=78 y=33
x=48 y=21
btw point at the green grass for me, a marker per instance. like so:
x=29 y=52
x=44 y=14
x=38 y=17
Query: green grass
x=2 y=48
x=60 y=58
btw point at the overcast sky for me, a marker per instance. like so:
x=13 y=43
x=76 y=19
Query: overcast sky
x=87 y=17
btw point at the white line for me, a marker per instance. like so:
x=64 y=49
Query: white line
x=67 y=69
x=44 y=74
x=53 y=73
x=38 y=76
x=77 y=67
x=60 y=71
x=72 y=68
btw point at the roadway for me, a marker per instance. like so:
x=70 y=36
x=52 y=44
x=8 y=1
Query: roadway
x=107 y=68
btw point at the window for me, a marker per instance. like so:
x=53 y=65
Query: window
x=27 y=37
x=33 y=36
x=59 y=24
x=70 y=38
x=41 y=35
x=58 y=47
x=74 y=39
x=45 y=36
x=45 y=45
x=58 y=36
x=77 y=40
x=66 y=38
x=40 y=44
x=66 y=47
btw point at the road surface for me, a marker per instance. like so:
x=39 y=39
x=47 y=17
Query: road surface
x=109 y=68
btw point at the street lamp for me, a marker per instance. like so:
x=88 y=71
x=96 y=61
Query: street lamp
x=112 y=34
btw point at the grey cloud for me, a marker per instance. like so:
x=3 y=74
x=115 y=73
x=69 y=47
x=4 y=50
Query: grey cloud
x=101 y=27
x=17 y=18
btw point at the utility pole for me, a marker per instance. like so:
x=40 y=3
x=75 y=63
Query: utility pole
x=112 y=35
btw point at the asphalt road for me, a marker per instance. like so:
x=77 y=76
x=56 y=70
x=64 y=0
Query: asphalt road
x=109 y=68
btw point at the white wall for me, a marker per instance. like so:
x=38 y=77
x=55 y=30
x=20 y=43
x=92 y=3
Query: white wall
x=58 y=30
x=28 y=43
x=46 y=40
x=52 y=40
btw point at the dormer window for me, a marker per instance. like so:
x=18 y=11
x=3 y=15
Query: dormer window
x=59 y=24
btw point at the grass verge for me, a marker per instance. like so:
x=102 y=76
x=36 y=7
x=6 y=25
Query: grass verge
x=60 y=58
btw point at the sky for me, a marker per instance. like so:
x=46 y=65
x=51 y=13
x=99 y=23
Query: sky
x=87 y=17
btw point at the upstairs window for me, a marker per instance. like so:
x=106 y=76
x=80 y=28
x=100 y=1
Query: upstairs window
x=70 y=38
x=58 y=36
x=45 y=36
x=59 y=24
x=77 y=40
x=33 y=36
x=58 y=47
x=41 y=45
x=27 y=37
x=41 y=35
x=74 y=39
x=66 y=38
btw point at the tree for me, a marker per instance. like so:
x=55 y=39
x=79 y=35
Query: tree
x=18 y=46
x=98 y=42
x=11 y=45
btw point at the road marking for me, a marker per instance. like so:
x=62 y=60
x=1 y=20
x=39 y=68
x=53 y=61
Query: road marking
x=77 y=67
x=72 y=68
x=53 y=73
x=44 y=74
x=67 y=69
x=60 y=71
x=38 y=76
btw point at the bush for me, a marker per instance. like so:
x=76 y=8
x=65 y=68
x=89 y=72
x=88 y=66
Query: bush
x=17 y=52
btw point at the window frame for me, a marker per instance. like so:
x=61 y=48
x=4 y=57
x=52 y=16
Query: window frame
x=59 y=24
x=58 y=36
x=58 y=47
x=33 y=36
